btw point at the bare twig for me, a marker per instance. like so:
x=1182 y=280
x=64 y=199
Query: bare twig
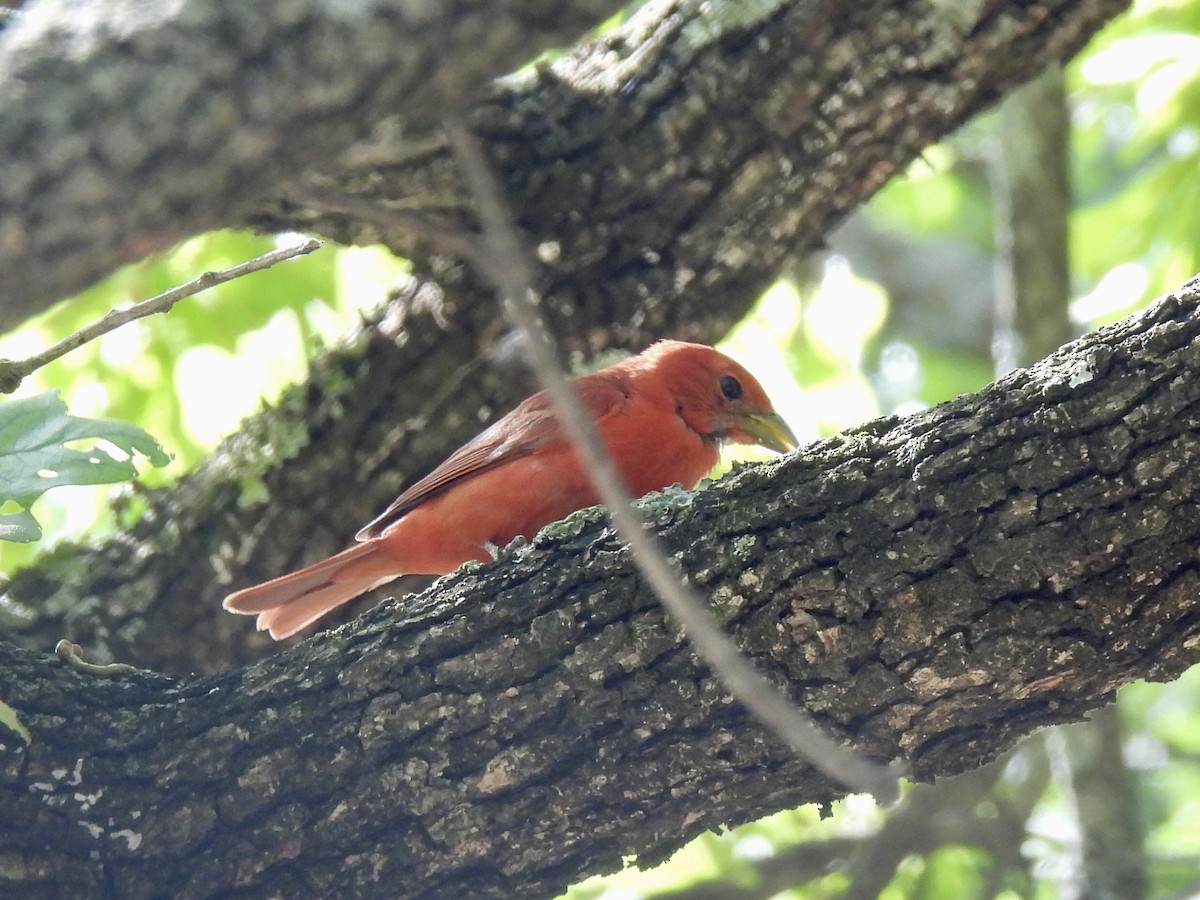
x=504 y=261
x=14 y=371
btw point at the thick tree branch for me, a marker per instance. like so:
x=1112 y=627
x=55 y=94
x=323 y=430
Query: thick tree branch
x=669 y=169
x=127 y=127
x=854 y=94
x=505 y=263
x=932 y=588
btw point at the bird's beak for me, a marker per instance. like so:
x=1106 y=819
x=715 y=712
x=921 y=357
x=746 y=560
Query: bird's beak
x=770 y=431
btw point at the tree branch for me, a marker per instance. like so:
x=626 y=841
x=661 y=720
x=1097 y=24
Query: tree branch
x=658 y=179
x=14 y=371
x=108 y=108
x=932 y=587
x=506 y=264
x=856 y=93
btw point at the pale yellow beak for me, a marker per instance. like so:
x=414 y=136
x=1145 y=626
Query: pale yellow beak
x=770 y=431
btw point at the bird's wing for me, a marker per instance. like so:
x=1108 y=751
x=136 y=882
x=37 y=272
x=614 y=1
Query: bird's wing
x=528 y=427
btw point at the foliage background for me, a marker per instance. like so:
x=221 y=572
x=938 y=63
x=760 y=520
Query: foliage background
x=833 y=347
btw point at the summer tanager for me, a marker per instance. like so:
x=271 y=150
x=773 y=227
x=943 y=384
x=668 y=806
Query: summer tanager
x=661 y=415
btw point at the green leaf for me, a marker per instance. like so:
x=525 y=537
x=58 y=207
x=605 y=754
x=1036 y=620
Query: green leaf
x=34 y=456
x=20 y=527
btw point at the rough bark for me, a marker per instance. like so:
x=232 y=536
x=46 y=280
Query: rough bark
x=126 y=127
x=667 y=171
x=788 y=113
x=930 y=588
x=663 y=186
x=1030 y=176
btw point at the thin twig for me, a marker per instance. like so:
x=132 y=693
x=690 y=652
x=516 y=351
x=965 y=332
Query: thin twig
x=13 y=372
x=506 y=263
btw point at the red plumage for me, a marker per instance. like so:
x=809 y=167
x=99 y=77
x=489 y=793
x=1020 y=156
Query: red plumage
x=661 y=415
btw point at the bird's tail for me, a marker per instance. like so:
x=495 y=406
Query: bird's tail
x=293 y=601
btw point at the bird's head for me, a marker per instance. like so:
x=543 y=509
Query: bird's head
x=715 y=396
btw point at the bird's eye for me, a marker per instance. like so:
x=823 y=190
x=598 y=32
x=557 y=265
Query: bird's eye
x=730 y=387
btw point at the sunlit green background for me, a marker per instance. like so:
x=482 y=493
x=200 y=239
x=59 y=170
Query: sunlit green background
x=827 y=343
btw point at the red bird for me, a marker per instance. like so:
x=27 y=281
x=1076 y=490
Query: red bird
x=661 y=414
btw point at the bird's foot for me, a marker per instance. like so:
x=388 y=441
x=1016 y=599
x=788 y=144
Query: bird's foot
x=505 y=552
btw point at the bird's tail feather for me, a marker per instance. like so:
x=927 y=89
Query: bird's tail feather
x=284 y=621
x=290 y=602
